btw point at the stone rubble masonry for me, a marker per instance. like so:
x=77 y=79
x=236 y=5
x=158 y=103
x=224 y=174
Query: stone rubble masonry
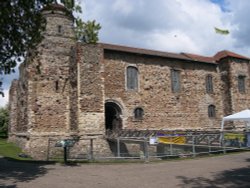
x=63 y=87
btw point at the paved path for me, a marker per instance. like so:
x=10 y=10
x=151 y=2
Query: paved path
x=221 y=171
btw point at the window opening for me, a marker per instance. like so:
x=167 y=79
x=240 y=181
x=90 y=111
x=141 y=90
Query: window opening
x=209 y=84
x=59 y=29
x=241 y=84
x=175 y=81
x=138 y=113
x=57 y=85
x=132 y=78
x=211 y=111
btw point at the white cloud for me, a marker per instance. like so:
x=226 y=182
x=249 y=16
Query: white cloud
x=153 y=24
x=4 y=100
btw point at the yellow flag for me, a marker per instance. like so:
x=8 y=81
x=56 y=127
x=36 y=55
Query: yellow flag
x=221 y=31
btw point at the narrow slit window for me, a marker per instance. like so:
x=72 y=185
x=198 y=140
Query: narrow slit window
x=59 y=27
x=241 y=84
x=209 y=84
x=57 y=85
x=175 y=81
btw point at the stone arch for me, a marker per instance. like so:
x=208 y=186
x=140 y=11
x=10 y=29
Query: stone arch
x=113 y=112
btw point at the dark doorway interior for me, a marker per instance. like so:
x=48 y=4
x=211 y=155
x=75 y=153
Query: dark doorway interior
x=112 y=116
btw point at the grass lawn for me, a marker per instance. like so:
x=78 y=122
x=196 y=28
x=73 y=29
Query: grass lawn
x=10 y=150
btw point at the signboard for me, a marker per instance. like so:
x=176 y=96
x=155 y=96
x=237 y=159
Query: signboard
x=65 y=143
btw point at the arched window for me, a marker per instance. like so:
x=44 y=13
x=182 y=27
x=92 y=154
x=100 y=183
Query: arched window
x=241 y=84
x=175 y=81
x=211 y=111
x=132 y=78
x=209 y=84
x=138 y=113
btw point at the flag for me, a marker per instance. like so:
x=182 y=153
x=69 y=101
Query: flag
x=220 y=31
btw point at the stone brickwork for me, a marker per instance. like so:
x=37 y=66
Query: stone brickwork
x=163 y=109
x=68 y=89
x=91 y=90
x=240 y=100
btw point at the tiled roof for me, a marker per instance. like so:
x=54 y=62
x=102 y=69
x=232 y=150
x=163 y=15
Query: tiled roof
x=143 y=51
x=225 y=53
x=200 y=58
x=181 y=56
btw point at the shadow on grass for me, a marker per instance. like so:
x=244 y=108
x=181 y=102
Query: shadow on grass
x=230 y=179
x=13 y=171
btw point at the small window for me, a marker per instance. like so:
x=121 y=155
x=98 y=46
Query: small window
x=175 y=81
x=209 y=84
x=241 y=84
x=132 y=78
x=138 y=113
x=211 y=111
x=59 y=28
x=56 y=85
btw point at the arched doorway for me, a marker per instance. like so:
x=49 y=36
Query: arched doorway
x=113 y=120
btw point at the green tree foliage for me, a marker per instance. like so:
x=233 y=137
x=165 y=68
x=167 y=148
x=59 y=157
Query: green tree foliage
x=87 y=31
x=4 y=121
x=21 y=24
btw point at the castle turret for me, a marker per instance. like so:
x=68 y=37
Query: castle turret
x=43 y=86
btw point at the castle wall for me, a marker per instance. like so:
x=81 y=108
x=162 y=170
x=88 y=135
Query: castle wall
x=90 y=89
x=64 y=85
x=163 y=109
x=240 y=100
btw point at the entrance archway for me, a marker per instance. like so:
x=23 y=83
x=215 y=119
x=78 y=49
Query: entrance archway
x=113 y=120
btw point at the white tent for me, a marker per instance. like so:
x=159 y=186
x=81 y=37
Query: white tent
x=240 y=116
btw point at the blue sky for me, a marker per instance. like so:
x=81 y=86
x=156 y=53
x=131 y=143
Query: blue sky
x=169 y=25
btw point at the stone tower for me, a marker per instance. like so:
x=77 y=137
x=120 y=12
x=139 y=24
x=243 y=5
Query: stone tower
x=43 y=107
x=60 y=91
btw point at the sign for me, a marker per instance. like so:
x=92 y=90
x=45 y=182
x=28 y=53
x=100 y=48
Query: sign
x=65 y=143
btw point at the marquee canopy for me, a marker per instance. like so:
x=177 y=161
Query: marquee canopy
x=240 y=116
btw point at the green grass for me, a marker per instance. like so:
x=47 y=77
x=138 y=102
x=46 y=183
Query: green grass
x=10 y=150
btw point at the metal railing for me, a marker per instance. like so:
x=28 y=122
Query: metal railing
x=138 y=145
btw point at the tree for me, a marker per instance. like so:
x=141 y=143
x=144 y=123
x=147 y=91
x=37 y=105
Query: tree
x=4 y=121
x=21 y=25
x=87 y=31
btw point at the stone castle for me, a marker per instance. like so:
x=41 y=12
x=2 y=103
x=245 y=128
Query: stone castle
x=70 y=89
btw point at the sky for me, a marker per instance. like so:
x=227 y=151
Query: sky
x=169 y=25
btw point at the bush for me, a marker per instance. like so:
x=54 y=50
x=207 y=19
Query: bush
x=4 y=121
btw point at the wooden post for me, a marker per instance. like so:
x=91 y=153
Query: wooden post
x=48 y=150
x=171 y=146
x=91 y=149
x=118 y=148
x=193 y=145
x=146 y=154
x=223 y=143
x=65 y=155
x=209 y=144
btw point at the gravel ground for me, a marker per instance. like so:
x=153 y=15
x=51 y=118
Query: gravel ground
x=220 y=171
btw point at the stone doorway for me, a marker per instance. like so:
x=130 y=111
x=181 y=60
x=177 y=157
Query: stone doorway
x=113 y=120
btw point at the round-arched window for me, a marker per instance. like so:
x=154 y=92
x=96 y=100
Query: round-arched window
x=211 y=111
x=138 y=113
